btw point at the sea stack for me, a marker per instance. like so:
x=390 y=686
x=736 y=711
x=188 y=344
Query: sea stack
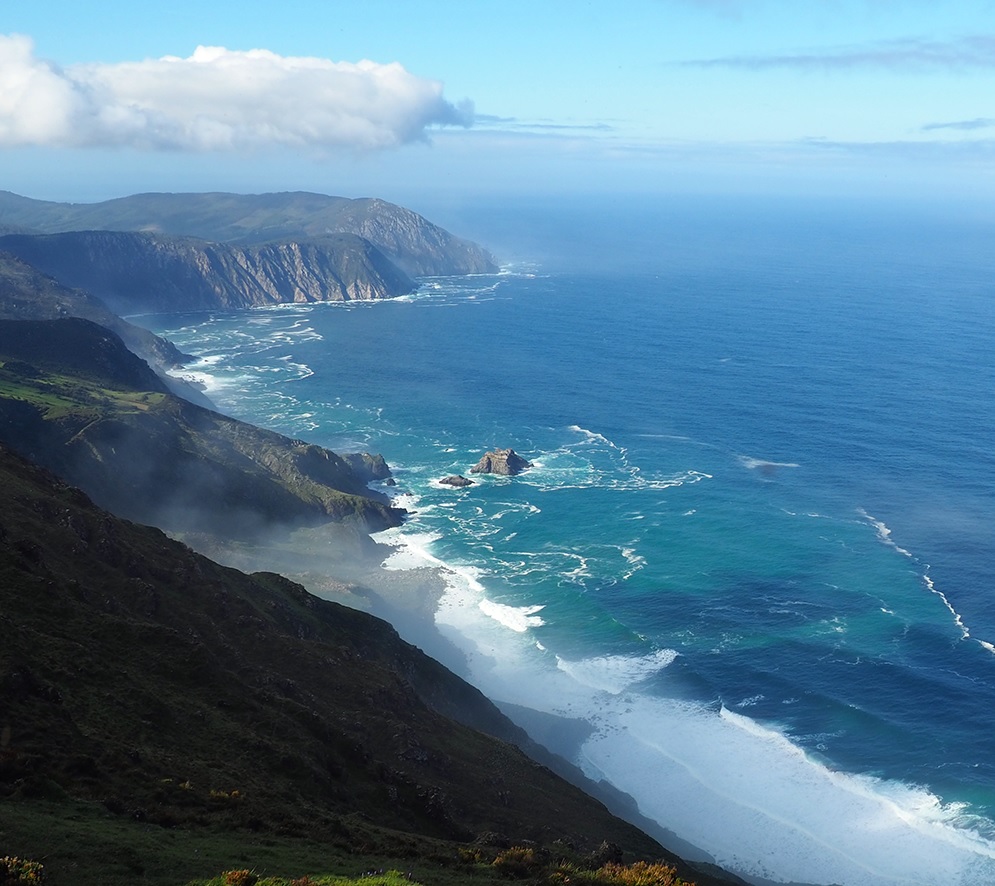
x=501 y=461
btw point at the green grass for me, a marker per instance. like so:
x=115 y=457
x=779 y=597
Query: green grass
x=58 y=396
x=387 y=878
x=80 y=844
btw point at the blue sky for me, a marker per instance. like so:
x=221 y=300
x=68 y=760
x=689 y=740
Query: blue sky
x=796 y=97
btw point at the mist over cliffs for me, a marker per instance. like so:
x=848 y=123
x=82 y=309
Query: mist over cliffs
x=148 y=689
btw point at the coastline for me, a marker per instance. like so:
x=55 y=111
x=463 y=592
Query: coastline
x=408 y=601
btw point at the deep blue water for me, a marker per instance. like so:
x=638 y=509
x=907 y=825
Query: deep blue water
x=756 y=548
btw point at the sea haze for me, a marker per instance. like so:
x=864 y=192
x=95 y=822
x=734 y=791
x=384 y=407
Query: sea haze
x=756 y=547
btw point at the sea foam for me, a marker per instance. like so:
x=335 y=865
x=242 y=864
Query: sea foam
x=741 y=790
x=765 y=809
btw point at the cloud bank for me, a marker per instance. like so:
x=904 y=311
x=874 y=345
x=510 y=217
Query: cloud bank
x=216 y=100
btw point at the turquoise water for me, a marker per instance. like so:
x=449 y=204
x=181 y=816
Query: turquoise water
x=755 y=548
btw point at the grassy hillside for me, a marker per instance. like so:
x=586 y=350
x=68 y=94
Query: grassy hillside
x=75 y=400
x=28 y=294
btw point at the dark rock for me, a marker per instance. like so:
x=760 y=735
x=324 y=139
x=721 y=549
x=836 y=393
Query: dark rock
x=368 y=467
x=501 y=461
x=457 y=480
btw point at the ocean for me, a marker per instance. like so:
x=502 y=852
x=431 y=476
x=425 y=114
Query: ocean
x=756 y=548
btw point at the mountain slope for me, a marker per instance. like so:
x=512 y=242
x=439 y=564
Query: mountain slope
x=411 y=241
x=177 y=692
x=75 y=400
x=28 y=294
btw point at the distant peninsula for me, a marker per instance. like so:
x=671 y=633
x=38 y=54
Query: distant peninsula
x=178 y=252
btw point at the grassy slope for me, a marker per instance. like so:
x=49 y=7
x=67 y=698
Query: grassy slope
x=27 y=294
x=74 y=399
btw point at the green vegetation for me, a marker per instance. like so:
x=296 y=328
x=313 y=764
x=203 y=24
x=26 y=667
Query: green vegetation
x=82 y=844
x=520 y=863
x=59 y=397
x=168 y=717
x=82 y=405
x=27 y=294
x=15 y=870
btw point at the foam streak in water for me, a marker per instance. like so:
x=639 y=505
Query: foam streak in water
x=884 y=534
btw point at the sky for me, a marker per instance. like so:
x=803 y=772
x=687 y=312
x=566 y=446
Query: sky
x=437 y=100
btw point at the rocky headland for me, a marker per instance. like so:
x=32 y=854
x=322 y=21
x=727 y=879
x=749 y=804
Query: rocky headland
x=143 y=272
x=172 y=252
x=75 y=400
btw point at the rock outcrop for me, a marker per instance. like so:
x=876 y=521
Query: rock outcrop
x=501 y=461
x=457 y=480
x=369 y=467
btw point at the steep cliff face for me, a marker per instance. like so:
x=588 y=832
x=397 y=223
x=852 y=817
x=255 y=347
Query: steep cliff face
x=414 y=243
x=411 y=241
x=134 y=271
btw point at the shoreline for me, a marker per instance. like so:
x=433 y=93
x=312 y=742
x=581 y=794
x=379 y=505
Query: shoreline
x=340 y=564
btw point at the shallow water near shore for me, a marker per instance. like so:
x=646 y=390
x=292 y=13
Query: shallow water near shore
x=754 y=551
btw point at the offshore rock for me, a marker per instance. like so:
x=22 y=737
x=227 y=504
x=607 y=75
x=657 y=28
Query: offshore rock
x=501 y=461
x=457 y=480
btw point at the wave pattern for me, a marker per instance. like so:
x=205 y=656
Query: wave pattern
x=738 y=629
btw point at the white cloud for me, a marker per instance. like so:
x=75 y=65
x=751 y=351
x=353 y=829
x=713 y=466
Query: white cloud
x=216 y=100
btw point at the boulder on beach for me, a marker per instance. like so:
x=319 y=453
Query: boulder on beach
x=501 y=461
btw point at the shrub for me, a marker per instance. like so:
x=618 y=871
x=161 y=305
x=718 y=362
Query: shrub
x=470 y=856
x=239 y=878
x=17 y=871
x=641 y=873
x=518 y=861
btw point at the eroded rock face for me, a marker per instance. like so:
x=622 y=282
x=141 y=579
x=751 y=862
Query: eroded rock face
x=134 y=271
x=457 y=480
x=501 y=461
